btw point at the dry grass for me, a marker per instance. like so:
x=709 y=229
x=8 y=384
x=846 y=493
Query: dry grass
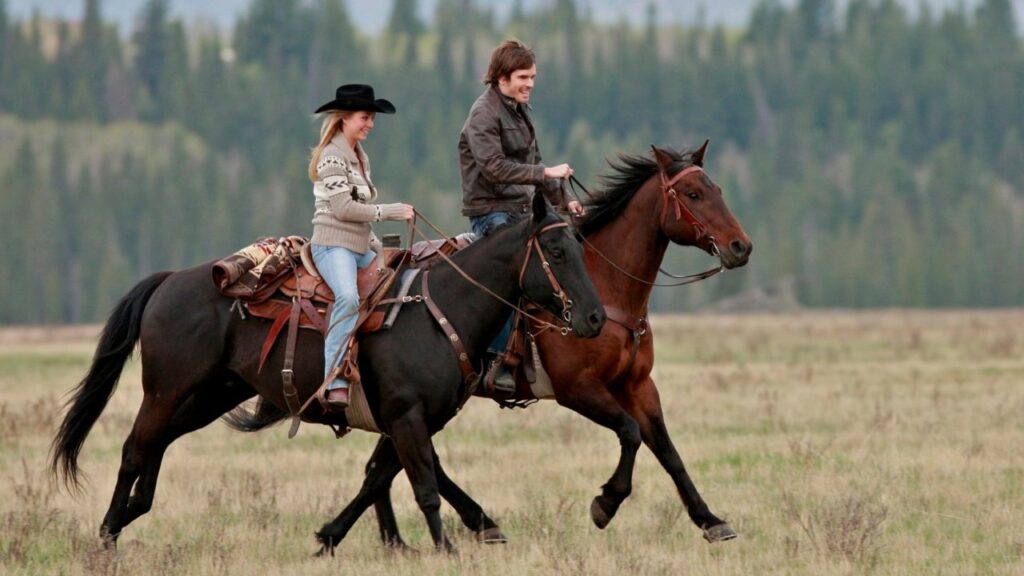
x=835 y=443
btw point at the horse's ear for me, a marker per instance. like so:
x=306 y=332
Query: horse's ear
x=698 y=156
x=540 y=207
x=662 y=158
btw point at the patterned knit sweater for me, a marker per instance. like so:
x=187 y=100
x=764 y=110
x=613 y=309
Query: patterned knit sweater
x=344 y=198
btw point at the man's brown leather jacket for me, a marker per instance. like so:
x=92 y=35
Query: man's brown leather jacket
x=499 y=158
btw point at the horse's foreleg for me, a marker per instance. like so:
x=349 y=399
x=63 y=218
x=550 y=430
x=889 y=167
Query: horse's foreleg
x=380 y=471
x=471 y=513
x=411 y=438
x=387 y=524
x=645 y=405
x=597 y=404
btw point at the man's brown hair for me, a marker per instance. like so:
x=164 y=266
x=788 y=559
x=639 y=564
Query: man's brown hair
x=509 y=56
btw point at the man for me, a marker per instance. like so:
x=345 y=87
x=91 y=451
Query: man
x=501 y=164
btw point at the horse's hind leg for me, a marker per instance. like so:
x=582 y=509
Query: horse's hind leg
x=154 y=431
x=644 y=404
x=140 y=455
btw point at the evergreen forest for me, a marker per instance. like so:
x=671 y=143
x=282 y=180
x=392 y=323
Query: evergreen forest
x=875 y=158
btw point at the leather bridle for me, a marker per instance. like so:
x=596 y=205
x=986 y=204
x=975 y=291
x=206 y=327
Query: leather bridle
x=682 y=212
x=669 y=194
x=533 y=245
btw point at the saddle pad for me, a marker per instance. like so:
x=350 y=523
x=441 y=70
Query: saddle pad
x=541 y=388
x=358 y=412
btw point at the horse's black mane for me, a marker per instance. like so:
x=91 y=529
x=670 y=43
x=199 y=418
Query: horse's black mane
x=619 y=186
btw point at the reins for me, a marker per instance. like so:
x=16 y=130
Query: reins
x=681 y=211
x=533 y=244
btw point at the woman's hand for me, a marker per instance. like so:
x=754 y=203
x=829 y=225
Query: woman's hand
x=396 y=211
x=405 y=211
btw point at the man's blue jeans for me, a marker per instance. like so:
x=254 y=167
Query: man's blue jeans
x=482 y=227
x=338 y=267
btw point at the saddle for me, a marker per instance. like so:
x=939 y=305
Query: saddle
x=303 y=284
x=281 y=283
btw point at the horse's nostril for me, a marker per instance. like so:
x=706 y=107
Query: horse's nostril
x=596 y=318
x=738 y=248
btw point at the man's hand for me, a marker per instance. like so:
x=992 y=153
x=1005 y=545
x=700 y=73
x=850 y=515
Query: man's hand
x=558 y=172
x=575 y=208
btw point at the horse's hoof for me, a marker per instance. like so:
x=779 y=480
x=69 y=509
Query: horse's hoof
x=599 y=515
x=324 y=552
x=108 y=540
x=447 y=547
x=399 y=546
x=491 y=535
x=719 y=533
x=394 y=542
x=404 y=549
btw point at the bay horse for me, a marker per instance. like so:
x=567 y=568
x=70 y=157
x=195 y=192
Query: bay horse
x=200 y=359
x=647 y=203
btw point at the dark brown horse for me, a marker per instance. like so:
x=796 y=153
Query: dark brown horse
x=200 y=359
x=647 y=204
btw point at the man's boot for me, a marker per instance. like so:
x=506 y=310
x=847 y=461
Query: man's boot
x=499 y=381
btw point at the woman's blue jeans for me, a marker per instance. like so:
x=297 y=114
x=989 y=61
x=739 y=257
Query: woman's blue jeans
x=338 y=267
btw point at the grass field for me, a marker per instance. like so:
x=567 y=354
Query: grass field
x=834 y=443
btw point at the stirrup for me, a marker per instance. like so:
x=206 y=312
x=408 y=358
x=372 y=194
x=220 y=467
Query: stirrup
x=336 y=404
x=499 y=381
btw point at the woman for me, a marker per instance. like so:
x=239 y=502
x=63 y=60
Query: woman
x=343 y=239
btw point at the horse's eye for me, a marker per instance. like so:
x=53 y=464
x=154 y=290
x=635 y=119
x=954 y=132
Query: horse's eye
x=693 y=196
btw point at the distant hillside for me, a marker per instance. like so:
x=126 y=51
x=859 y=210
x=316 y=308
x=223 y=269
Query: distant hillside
x=372 y=16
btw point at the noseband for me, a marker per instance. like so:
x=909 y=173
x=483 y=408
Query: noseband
x=533 y=245
x=681 y=211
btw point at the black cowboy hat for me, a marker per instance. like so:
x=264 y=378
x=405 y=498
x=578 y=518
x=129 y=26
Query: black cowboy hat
x=357 y=97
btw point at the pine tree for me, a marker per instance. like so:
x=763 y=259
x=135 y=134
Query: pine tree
x=67 y=232
x=91 y=64
x=405 y=28
x=151 y=56
x=336 y=56
x=5 y=53
x=445 y=20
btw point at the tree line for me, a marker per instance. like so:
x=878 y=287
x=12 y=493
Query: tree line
x=874 y=158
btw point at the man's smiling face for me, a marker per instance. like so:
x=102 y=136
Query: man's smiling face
x=519 y=84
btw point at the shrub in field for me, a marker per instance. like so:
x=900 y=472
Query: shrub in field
x=849 y=527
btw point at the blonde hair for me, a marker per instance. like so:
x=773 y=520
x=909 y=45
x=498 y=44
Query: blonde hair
x=332 y=124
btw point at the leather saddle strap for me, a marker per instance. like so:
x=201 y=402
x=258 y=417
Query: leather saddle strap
x=275 y=330
x=291 y=395
x=637 y=326
x=319 y=322
x=468 y=374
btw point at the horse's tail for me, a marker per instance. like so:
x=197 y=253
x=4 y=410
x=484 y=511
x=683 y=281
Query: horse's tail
x=94 y=391
x=245 y=420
